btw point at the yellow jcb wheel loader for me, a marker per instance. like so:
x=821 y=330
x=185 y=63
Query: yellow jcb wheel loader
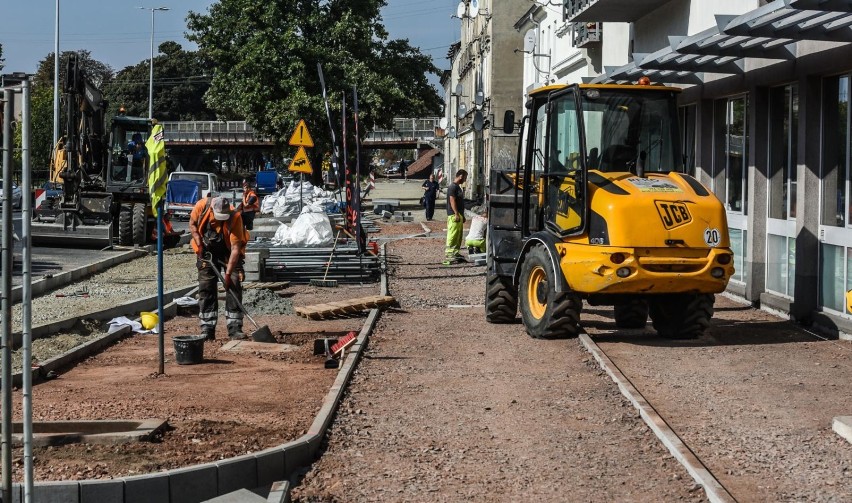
x=599 y=209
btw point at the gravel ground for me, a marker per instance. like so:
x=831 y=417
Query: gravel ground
x=263 y=301
x=122 y=283
x=55 y=345
x=445 y=407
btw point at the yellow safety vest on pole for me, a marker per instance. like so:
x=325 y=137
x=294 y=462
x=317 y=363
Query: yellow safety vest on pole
x=157 y=179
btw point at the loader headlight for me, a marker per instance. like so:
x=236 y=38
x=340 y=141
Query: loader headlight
x=724 y=259
x=717 y=272
x=623 y=272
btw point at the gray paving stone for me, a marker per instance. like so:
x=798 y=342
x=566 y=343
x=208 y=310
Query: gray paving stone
x=237 y=473
x=56 y=492
x=239 y=496
x=153 y=488
x=193 y=484
x=270 y=466
x=102 y=491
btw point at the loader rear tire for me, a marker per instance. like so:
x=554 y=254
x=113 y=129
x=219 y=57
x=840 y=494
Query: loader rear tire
x=631 y=314
x=140 y=223
x=125 y=225
x=681 y=316
x=547 y=314
x=501 y=299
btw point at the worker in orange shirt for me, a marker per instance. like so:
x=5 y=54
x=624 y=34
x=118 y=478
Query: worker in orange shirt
x=251 y=204
x=219 y=240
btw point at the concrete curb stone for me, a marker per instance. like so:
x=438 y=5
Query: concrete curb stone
x=193 y=484
x=237 y=473
x=96 y=491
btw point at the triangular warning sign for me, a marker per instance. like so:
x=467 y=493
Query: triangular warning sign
x=301 y=137
x=300 y=163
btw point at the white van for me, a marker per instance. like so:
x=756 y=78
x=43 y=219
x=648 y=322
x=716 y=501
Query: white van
x=180 y=204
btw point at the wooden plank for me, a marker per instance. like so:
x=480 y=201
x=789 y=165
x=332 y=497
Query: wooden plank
x=343 y=307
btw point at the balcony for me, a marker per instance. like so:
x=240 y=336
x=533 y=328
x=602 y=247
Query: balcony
x=625 y=11
x=586 y=35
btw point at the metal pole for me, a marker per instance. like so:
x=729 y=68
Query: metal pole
x=151 y=72
x=26 y=258
x=160 y=331
x=6 y=341
x=56 y=79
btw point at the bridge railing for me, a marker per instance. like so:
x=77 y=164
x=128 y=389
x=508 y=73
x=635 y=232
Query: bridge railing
x=406 y=129
x=212 y=131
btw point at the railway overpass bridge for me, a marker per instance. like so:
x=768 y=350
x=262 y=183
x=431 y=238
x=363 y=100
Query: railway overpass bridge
x=406 y=133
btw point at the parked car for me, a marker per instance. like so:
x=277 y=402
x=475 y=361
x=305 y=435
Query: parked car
x=17 y=197
x=393 y=169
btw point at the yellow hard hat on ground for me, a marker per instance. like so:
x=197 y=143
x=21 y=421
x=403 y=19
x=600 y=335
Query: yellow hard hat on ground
x=149 y=320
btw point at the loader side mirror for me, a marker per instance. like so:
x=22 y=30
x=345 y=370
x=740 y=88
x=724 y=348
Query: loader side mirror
x=509 y=121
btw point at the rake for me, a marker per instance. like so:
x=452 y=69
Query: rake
x=328 y=283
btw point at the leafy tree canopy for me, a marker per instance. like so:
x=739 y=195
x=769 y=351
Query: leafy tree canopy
x=100 y=74
x=180 y=80
x=266 y=55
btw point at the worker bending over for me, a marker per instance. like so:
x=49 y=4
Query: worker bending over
x=219 y=240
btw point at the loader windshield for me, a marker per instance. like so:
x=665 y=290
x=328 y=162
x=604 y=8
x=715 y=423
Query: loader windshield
x=626 y=128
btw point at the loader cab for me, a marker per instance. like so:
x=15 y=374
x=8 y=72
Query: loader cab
x=580 y=134
x=126 y=164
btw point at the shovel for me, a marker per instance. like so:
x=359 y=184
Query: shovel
x=261 y=334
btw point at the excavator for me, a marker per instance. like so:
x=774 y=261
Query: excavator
x=599 y=209
x=104 y=195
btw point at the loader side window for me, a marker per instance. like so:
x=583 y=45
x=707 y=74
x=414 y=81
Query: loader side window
x=564 y=206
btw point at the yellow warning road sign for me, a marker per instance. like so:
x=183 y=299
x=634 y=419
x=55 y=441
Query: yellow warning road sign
x=301 y=137
x=300 y=163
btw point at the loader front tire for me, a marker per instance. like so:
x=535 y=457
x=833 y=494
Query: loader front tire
x=125 y=225
x=681 y=316
x=631 y=314
x=547 y=314
x=501 y=299
x=140 y=223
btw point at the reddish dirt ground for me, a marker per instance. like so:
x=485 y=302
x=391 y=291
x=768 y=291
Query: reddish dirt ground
x=233 y=403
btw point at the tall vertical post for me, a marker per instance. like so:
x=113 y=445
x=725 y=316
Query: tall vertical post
x=56 y=78
x=151 y=73
x=6 y=282
x=160 y=330
x=27 y=292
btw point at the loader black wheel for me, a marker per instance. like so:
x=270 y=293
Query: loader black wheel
x=547 y=314
x=501 y=299
x=631 y=314
x=140 y=224
x=681 y=316
x=125 y=225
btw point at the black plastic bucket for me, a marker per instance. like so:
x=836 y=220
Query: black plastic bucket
x=189 y=349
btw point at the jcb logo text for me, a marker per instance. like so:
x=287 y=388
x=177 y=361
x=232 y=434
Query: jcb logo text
x=673 y=214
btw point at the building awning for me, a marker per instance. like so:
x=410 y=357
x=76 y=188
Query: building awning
x=770 y=32
x=625 y=11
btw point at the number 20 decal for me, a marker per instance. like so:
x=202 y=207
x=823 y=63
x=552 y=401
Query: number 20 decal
x=712 y=237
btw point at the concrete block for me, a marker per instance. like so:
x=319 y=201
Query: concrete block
x=98 y=491
x=56 y=492
x=238 y=496
x=280 y=492
x=300 y=452
x=253 y=276
x=17 y=493
x=237 y=473
x=193 y=484
x=270 y=466
x=842 y=425
x=152 y=488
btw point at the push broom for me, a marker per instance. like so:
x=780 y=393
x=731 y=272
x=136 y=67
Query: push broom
x=329 y=283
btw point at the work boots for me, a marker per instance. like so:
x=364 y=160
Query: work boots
x=209 y=334
x=235 y=333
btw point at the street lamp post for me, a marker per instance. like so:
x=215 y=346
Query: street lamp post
x=151 y=65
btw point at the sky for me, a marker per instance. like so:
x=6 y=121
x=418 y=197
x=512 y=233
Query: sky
x=118 y=33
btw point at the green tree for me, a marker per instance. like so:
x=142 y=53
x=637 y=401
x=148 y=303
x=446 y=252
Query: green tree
x=2 y=60
x=41 y=133
x=180 y=81
x=266 y=54
x=99 y=74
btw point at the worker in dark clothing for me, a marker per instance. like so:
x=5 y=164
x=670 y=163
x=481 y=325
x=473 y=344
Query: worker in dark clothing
x=251 y=204
x=430 y=193
x=219 y=240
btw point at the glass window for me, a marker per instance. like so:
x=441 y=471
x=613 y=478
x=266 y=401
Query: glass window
x=783 y=138
x=538 y=148
x=735 y=154
x=193 y=177
x=780 y=264
x=564 y=198
x=831 y=274
x=565 y=137
x=687 y=127
x=738 y=247
x=625 y=129
x=835 y=150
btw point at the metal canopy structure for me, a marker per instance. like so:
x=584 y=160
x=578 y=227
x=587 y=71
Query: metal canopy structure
x=769 y=32
x=625 y=11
